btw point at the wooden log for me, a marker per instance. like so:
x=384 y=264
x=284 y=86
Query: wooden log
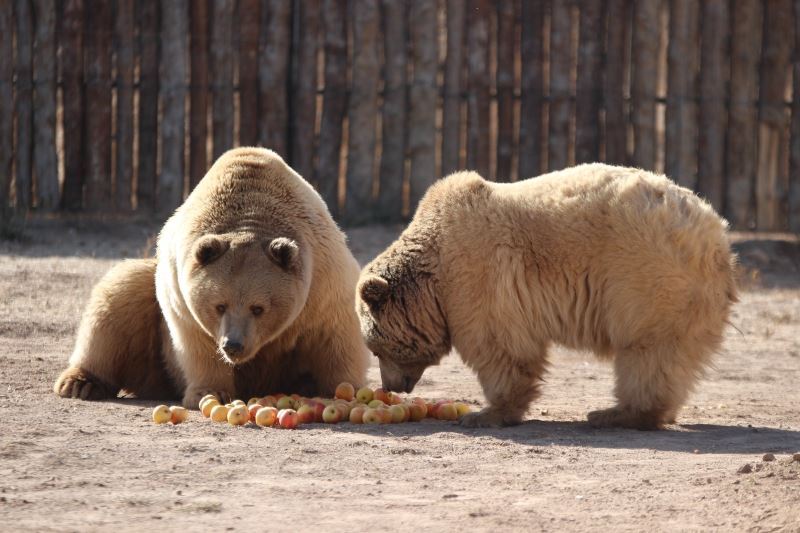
x=249 y=21
x=198 y=106
x=478 y=96
x=423 y=96
x=531 y=86
x=646 y=30
x=393 y=154
x=124 y=43
x=560 y=105
x=45 y=160
x=98 y=105
x=362 y=110
x=6 y=107
x=149 y=37
x=742 y=139
x=714 y=75
x=506 y=37
x=680 y=162
x=23 y=104
x=222 y=59
x=771 y=180
x=794 y=164
x=274 y=51
x=453 y=85
x=304 y=89
x=589 y=88
x=174 y=57
x=616 y=116
x=72 y=82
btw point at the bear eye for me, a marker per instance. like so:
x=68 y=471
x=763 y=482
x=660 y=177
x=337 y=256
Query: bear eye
x=221 y=309
x=256 y=310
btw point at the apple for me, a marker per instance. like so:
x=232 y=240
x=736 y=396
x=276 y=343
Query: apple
x=239 y=415
x=319 y=407
x=207 y=397
x=161 y=414
x=253 y=409
x=252 y=400
x=462 y=409
x=219 y=413
x=343 y=407
x=207 y=406
x=295 y=397
x=357 y=414
x=430 y=408
x=239 y=402
x=365 y=395
x=178 y=414
x=287 y=418
x=305 y=414
x=447 y=411
x=398 y=414
x=268 y=401
x=371 y=416
x=345 y=391
x=386 y=415
x=382 y=395
x=285 y=402
x=266 y=416
x=406 y=411
x=331 y=415
x=394 y=399
x=376 y=404
x=418 y=411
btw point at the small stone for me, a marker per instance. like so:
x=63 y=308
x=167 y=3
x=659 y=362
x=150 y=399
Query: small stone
x=768 y=457
x=544 y=412
x=796 y=457
x=746 y=469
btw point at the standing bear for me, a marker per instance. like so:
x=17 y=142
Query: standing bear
x=615 y=260
x=252 y=291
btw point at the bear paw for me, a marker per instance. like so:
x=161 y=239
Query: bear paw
x=487 y=418
x=191 y=398
x=625 y=418
x=75 y=382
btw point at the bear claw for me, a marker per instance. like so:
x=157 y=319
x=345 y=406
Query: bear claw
x=79 y=384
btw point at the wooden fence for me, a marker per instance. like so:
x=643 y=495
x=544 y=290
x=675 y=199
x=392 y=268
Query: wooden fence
x=121 y=105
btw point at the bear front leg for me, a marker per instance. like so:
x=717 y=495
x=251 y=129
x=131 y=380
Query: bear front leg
x=510 y=385
x=206 y=375
x=76 y=382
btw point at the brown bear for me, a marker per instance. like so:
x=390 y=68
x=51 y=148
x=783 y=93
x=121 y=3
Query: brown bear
x=615 y=260
x=252 y=291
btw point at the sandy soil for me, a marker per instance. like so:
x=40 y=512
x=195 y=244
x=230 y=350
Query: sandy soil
x=72 y=465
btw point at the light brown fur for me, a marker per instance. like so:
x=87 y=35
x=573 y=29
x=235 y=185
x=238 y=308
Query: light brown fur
x=251 y=292
x=615 y=260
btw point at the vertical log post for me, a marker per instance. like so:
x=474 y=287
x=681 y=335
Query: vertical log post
x=423 y=98
x=589 y=88
x=363 y=110
x=794 y=167
x=714 y=73
x=124 y=26
x=530 y=120
x=304 y=89
x=274 y=50
x=617 y=43
x=149 y=36
x=222 y=74
x=644 y=79
x=23 y=104
x=72 y=96
x=249 y=17
x=453 y=83
x=741 y=151
x=45 y=160
x=393 y=154
x=506 y=36
x=560 y=57
x=198 y=106
x=98 y=105
x=478 y=97
x=6 y=108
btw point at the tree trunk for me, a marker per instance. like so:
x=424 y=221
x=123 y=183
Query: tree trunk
x=589 y=90
x=478 y=98
x=98 y=105
x=646 y=15
x=249 y=17
x=198 y=114
x=44 y=105
x=149 y=35
x=794 y=175
x=304 y=89
x=530 y=120
x=506 y=35
x=423 y=96
x=6 y=107
x=274 y=49
x=453 y=85
x=222 y=74
x=24 y=94
x=125 y=45
x=618 y=36
x=714 y=75
x=560 y=57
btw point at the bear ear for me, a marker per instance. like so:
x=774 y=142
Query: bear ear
x=284 y=252
x=374 y=290
x=209 y=248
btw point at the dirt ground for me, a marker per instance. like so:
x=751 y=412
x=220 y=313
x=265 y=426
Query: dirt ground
x=72 y=465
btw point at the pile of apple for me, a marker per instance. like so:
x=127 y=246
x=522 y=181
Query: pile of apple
x=365 y=406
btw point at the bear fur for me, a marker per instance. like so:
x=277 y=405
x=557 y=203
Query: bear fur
x=615 y=260
x=252 y=291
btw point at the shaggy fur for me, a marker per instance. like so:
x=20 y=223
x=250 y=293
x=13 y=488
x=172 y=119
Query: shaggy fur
x=252 y=291
x=615 y=260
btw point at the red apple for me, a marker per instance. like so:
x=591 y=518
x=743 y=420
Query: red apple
x=287 y=418
x=357 y=414
x=305 y=414
x=382 y=395
x=268 y=401
x=179 y=414
x=418 y=411
x=447 y=411
x=372 y=416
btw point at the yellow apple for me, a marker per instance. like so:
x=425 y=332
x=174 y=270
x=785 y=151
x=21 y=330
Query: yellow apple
x=178 y=414
x=365 y=395
x=345 y=391
x=266 y=416
x=219 y=413
x=161 y=414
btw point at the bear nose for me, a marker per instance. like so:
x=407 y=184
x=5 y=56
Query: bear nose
x=408 y=384
x=232 y=346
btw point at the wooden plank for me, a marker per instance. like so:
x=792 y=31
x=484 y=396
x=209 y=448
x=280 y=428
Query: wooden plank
x=198 y=92
x=714 y=75
x=643 y=82
x=393 y=154
x=126 y=63
x=453 y=85
x=794 y=165
x=304 y=89
x=771 y=181
x=618 y=31
x=589 y=89
x=249 y=21
x=363 y=109
x=560 y=106
x=741 y=142
x=423 y=96
x=72 y=96
x=149 y=37
x=23 y=104
x=222 y=60
x=6 y=108
x=531 y=85
x=274 y=50
x=506 y=37
x=478 y=97
x=174 y=53
x=45 y=161
x=98 y=105
x=680 y=162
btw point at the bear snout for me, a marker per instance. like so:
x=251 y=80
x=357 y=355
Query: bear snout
x=232 y=347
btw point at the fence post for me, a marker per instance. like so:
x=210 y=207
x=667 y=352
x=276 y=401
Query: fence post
x=422 y=98
x=274 y=49
x=618 y=35
x=531 y=85
x=304 y=89
x=149 y=35
x=45 y=160
x=124 y=45
x=478 y=98
x=6 y=107
x=560 y=56
x=249 y=17
x=794 y=170
x=198 y=92
x=643 y=83
x=393 y=154
x=506 y=37
x=98 y=106
x=741 y=150
x=453 y=83
x=222 y=74
x=589 y=88
x=714 y=74
x=24 y=90
x=363 y=109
